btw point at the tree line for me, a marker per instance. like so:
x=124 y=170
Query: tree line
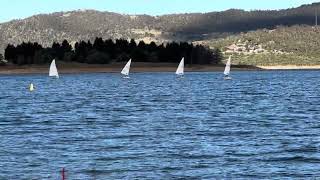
x=109 y=51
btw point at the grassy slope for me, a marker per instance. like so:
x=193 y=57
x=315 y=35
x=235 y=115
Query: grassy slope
x=299 y=44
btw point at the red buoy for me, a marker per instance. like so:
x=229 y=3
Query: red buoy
x=63 y=174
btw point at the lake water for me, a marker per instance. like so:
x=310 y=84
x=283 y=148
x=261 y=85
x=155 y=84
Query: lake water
x=260 y=125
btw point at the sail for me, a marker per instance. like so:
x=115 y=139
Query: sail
x=53 y=69
x=125 y=71
x=180 y=69
x=227 y=68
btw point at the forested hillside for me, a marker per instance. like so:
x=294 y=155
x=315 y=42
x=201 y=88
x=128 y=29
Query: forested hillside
x=265 y=37
x=88 y=24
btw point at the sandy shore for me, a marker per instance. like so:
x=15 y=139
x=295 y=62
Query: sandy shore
x=114 y=68
x=289 y=67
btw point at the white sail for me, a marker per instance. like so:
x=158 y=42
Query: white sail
x=227 y=68
x=53 y=69
x=180 y=69
x=126 y=70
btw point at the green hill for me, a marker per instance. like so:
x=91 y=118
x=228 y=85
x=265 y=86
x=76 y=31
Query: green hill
x=86 y=25
x=296 y=45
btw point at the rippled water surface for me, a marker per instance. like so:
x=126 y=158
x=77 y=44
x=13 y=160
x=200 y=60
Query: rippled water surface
x=260 y=125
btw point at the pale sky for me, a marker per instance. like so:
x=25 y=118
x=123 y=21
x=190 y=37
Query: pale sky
x=17 y=9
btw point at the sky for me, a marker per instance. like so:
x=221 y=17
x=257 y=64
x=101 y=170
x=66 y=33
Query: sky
x=18 y=9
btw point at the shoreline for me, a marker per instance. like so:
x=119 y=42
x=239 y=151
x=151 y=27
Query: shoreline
x=138 y=67
x=290 y=67
x=69 y=68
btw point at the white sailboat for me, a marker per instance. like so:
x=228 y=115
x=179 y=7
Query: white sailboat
x=180 y=69
x=53 y=72
x=227 y=70
x=126 y=70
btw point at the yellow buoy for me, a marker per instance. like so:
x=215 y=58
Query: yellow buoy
x=31 y=88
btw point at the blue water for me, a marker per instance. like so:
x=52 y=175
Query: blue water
x=260 y=125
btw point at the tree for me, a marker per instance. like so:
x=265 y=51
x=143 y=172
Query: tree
x=66 y=47
x=2 y=63
x=132 y=44
x=43 y=56
x=217 y=56
x=10 y=53
x=97 y=57
x=57 y=51
x=98 y=44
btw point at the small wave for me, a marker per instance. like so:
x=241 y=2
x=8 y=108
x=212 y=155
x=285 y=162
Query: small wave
x=200 y=166
x=306 y=149
x=171 y=168
x=297 y=159
x=126 y=158
x=132 y=136
x=195 y=156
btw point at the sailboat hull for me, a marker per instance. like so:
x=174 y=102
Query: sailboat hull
x=54 y=77
x=227 y=78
